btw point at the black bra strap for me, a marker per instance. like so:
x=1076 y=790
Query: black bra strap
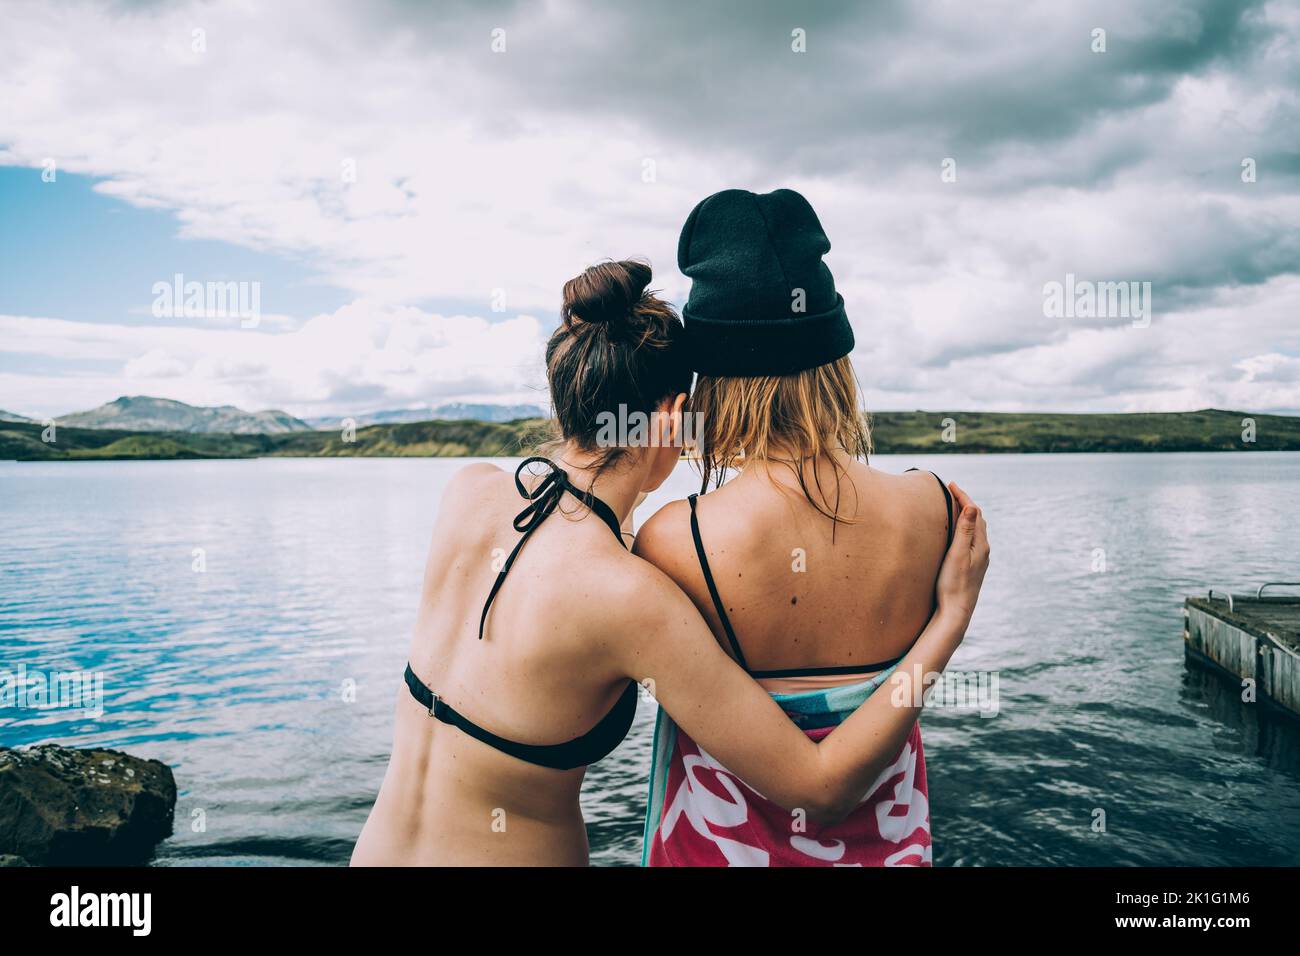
x=713 y=588
x=947 y=497
x=543 y=500
x=829 y=671
x=565 y=756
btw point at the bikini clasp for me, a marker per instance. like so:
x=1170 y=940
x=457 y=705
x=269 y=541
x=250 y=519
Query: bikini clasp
x=433 y=703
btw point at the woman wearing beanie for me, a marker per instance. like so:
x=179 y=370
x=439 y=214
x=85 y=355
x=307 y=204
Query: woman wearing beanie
x=536 y=625
x=815 y=572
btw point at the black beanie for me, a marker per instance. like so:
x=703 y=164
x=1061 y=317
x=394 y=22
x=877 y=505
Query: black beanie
x=762 y=301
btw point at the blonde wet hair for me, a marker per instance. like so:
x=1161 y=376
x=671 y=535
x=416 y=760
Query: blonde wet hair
x=794 y=420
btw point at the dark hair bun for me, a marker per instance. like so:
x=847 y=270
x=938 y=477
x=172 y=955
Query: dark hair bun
x=606 y=293
x=618 y=347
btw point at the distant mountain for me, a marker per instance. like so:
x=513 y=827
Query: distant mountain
x=13 y=417
x=142 y=413
x=451 y=412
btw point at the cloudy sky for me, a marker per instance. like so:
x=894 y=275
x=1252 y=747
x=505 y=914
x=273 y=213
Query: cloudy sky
x=407 y=186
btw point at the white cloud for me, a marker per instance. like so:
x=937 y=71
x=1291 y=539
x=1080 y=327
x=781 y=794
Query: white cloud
x=479 y=173
x=356 y=358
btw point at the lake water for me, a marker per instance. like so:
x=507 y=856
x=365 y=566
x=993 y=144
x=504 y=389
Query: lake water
x=237 y=676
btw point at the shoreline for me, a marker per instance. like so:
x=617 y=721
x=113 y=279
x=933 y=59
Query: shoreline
x=894 y=433
x=891 y=453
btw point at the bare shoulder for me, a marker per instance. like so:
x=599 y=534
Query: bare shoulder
x=475 y=473
x=474 y=481
x=621 y=603
x=927 y=492
x=644 y=603
x=665 y=539
x=465 y=504
x=632 y=586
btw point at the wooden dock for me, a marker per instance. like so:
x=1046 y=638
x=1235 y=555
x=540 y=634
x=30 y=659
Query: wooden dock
x=1255 y=637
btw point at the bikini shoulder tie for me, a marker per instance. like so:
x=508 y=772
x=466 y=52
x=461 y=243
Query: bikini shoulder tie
x=543 y=499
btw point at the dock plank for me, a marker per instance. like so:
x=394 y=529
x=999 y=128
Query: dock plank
x=1256 y=640
x=1276 y=617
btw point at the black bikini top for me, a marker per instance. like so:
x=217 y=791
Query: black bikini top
x=796 y=671
x=613 y=727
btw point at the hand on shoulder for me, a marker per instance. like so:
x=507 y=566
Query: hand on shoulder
x=962 y=575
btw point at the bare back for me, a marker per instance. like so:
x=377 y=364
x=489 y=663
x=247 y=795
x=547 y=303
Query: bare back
x=577 y=621
x=537 y=677
x=801 y=592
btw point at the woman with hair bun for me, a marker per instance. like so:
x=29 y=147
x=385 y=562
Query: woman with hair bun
x=536 y=625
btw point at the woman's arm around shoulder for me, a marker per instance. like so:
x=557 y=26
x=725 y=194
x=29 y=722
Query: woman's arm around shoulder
x=665 y=540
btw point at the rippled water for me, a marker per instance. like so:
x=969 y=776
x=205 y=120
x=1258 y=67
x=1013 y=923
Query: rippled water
x=239 y=677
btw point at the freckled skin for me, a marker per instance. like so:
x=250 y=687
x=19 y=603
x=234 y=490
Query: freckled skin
x=880 y=566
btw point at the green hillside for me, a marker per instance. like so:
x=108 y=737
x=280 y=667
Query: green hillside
x=445 y=439
x=894 y=433
x=975 y=432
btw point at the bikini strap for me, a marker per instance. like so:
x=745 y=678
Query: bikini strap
x=947 y=498
x=542 y=502
x=713 y=588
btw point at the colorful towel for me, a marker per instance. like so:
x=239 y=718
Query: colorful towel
x=700 y=814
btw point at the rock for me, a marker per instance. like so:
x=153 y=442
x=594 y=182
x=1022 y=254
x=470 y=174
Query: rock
x=61 y=806
x=8 y=859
